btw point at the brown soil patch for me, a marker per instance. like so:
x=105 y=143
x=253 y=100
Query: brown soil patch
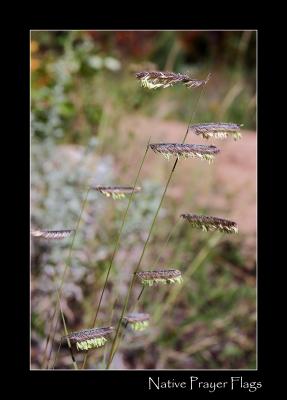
x=227 y=187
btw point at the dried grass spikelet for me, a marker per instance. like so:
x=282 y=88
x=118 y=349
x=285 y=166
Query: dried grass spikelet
x=159 y=79
x=116 y=192
x=54 y=235
x=207 y=223
x=183 y=151
x=89 y=338
x=217 y=130
x=137 y=321
x=164 y=276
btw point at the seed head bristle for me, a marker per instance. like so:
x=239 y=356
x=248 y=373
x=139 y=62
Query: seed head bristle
x=208 y=223
x=116 y=192
x=217 y=130
x=160 y=79
x=54 y=235
x=89 y=338
x=137 y=321
x=165 y=276
x=183 y=151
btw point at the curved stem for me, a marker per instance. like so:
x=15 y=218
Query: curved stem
x=113 y=349
x=117 y=244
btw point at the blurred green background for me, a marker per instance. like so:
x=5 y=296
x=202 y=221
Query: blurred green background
x=90 y=121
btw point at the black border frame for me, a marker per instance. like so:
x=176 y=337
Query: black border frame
x=127 y=381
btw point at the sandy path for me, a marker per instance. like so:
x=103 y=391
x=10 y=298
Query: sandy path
x=227 y=187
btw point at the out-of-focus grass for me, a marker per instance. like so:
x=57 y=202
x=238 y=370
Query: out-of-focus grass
x=80 y=95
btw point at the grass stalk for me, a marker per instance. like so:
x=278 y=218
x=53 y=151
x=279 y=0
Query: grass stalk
x=66 y=332
x=113 y=348
x=171 y=232
x=57 y=354
x=117 y=244
x=59 y=290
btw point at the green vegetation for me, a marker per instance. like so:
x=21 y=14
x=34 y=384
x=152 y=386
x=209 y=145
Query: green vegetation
x=83 y=96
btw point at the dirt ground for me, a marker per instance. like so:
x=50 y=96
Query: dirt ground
x=227 y=187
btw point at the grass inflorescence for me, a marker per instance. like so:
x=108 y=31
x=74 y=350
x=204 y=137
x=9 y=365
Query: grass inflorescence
x=183 y=151
x=163 y=277
x=52 y=235
x=208 y=223
x=160 y=79
x=137 y=321
x=87 y=339
x=217 y=130
x=116 y=192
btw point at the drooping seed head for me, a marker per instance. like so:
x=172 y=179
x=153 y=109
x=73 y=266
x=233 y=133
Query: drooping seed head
x=164 y=276
x=182 y=151
x=116 y=192
x=160 y=79
x=217 y=130
x=137 y=321
x=89 y=338
x=208 y=223
x=54 y=235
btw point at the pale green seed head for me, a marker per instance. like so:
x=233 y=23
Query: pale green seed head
x=237 y=136
x=118 y=196
x=91 y=343
x=139 y=325
x=161 y=281
x=146 y=82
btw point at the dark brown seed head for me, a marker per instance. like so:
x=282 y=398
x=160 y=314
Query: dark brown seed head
x=217 y=130
x=208 y=223
x=54 y=235
x=137 y=317
x=116 y=192
x=158 y=79
x=164 y=276
x=180 y=150
x=89 y=338
x=89 y=334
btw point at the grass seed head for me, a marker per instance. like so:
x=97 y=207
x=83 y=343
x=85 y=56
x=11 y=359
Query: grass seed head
x=89 y=338
x=116 y=192
x=207 y=223
x=138 y=321
x=160 y=79
x=183 y=151
x=217 y=130
x=52 y=235
x=164 y=277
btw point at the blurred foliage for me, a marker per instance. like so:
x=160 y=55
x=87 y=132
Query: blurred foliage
x=81 y=78
x=81 y=89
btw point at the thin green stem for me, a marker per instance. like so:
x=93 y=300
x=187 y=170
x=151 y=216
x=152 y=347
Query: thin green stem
x=59 y=290
x=57 y=354
x=53 y=339
x=117 y=243
x=66 y=333
x=141 y=292
x=146 y=242
x=171 y=232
